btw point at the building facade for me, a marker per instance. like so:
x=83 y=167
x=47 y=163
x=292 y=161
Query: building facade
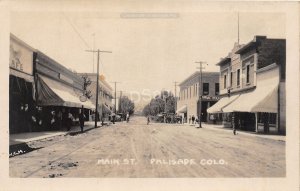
x=252 y=86
x=21 y=85
x=188 y=101
x=105 y=96
x=42 y=92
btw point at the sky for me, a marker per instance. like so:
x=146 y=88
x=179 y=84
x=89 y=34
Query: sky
x=148 y=54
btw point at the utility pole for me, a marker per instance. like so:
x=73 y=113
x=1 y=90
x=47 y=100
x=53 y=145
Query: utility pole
x=175 y=84
x=199 y=92
x=120 y=100
x=115 y=95
x=97 y=86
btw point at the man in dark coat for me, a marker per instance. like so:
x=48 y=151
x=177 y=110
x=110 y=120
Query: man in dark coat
x=81 y=119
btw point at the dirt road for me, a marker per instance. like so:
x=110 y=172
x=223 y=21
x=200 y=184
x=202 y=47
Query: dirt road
x=135 y=149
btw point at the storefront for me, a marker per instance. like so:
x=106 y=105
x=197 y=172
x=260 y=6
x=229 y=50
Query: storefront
x=255 y=109
x=21 y=86
x=59 y=94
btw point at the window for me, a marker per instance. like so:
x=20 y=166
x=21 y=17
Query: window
x=217 y=91
x=248 y=74
x=196 y=89
x=231 y=79
x=205 y=88
x=225 y=79
x=238 y=77
x=190 y=91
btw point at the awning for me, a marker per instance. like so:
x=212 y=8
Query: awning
x=105 y=109
x=182 y=109
x=53 y=93
x=264 y=98
x=259 y=100
x=223 y=102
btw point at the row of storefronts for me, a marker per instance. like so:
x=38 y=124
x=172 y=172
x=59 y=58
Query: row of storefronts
x=252 y=87
x=43 y=94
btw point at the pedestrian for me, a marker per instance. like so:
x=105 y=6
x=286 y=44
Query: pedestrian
x=148 y=120
x=113 y=117
x=233 y=124
x=69 y=120
x=59 y=119
x=53 y=121
x=127 y=117
x=81 y=119
x=193 y=119
x=190 y=118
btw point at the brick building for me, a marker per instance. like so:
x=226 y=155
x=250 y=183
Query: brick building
x=187 y=103
x=252 y=89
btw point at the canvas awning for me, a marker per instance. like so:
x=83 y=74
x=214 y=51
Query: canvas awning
x=105 y=109
x=259 y=100
x=264 y=98
x=53 y=93
x=182 y=109
x=223 y=102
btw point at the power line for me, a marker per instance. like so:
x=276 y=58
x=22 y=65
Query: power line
x=76 y=31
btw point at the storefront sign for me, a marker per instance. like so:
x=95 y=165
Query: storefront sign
x=21 y=56
x=210 y=97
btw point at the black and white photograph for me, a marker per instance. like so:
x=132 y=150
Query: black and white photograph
x=191 y=94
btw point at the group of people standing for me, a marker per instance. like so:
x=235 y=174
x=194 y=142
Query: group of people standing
x=193 y=119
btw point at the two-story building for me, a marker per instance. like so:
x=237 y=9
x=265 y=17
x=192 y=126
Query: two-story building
x=42 y=91
x=105 y=96
x=188 y=101
x=252 y=86
x=21 y=84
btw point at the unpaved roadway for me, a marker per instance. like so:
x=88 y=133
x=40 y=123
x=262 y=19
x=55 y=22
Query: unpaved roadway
x=135 y=149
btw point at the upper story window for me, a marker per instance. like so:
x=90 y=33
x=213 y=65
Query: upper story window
x=205 y=88
x=248 y=74
x=217 y=89
x=238 y=75
x=225 y=80
x=231 y=79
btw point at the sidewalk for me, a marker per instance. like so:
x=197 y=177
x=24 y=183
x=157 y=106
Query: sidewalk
x=247 y=133
x=21 y=138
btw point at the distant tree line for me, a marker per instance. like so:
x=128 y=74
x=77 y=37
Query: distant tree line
x=126 y=105
x=165 y=102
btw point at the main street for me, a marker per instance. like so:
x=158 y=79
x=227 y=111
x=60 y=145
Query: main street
x=136 y=149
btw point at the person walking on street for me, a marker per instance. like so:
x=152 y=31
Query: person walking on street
x=81 y=119
x=148 y=120
x=127 y=117
x=190 y=119
x=193 y=119
x=233 y=124
x=113 y=117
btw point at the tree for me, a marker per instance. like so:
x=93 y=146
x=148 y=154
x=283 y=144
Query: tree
x=165 y=102
x=86 y=82
x=126 y=105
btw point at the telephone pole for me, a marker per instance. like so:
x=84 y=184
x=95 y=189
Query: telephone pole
x=115 y=95
x=175 y=84
x=199 y=92
x=97 y=86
